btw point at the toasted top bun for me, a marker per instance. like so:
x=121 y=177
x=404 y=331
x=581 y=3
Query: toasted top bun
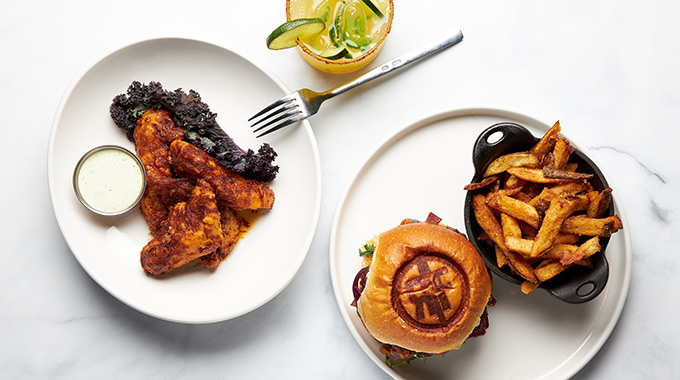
x=426 y=288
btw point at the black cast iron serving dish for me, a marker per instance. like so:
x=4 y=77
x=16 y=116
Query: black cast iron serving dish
x=577 y=284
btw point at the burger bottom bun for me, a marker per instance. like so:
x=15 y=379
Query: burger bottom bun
x=426 y=288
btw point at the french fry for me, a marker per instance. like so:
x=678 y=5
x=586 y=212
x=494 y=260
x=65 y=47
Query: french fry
x=561 y=153
x=510 y=227
x=587 y=249
x=503 y=163
x=487 y=220
x=533 y=175
x=514 y=208
x=587 y=226
x=546 y=143
x=519 y=245
x=559 y=250
x=549 y=269
x=500 y=257
x=551 y=173
x=481 y=184
x=528 y=286
x=564 y=238
x=513 y=182
x=569 y=188
x=558 y=211
x=599 y=203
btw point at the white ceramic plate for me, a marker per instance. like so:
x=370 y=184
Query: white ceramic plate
x=423 y=168
x=108 y=248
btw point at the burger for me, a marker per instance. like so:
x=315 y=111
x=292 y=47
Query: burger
x=423 y=290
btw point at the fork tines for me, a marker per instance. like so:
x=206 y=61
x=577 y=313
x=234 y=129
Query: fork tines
x=277 y=115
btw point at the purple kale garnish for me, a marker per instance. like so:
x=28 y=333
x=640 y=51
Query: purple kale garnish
x=200 y=126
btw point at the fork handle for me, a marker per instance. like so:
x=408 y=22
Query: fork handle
x=395 y=64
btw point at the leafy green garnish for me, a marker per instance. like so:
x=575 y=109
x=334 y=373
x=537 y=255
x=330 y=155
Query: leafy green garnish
x=405 y=361
x=367 y=250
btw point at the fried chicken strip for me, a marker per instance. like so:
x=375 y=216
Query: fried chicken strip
x=192 y=230
x=233 y=226
x=153 y=133
x=231 y=188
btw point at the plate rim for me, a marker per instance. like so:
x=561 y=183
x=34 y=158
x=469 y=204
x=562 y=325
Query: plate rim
x=309 y=134
x=451 y=113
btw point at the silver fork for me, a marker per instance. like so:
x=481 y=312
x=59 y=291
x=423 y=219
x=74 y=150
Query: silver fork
x=304 y=103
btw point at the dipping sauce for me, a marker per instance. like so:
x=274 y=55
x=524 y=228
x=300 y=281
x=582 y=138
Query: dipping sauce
x=109 y=180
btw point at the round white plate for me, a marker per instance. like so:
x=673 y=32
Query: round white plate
x=109 y=248
x=423 y=168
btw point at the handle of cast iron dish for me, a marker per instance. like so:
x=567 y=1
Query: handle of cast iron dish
x=582 y=284
x=513 y=137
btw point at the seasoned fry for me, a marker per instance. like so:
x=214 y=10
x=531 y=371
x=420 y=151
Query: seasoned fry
x=561 y=153
x=503 y=163
x=510 y=226
x=513 y=182
x=564 y=238
x=546 y=143
x=481 y=184
x=549 y=269
x=587 y=249
x=519 y=245
x=558 y=211
x=528 y=286
x=558 y=250
x=565 y=175
x=569 y=188
x=533 y=175
x=585 y=225
x=515 y=208
x=487 y=220
x=500 y=257
x=599 y=203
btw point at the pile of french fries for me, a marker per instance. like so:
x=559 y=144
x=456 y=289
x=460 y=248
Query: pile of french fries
x=539 y=212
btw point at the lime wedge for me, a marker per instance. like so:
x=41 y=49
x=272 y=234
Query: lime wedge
x=286 y=35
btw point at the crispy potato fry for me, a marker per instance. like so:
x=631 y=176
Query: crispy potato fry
x=546 y=143
x=533 y=175
x=587 y=226
x=510 y=226
x=519 y=245
x=558 y=211
x=503 y=163
x=569 y=188
x=561 y=153
x=500 y=257
x=549 y=269
x=587 y=249
x=515 y=208
x=513 y=182
x=487 y=220
x=481 y=184
x=551 y=173
x=564 y=238
x=528 y=287
x=599 y=202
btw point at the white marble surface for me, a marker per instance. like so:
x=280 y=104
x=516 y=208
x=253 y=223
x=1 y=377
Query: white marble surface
x=608 y=70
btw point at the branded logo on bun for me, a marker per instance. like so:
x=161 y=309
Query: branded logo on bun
x=422 y=290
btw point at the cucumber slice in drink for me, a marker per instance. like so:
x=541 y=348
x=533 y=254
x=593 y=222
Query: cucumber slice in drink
x=371 y=5
x=286 y=35
x=335 y=53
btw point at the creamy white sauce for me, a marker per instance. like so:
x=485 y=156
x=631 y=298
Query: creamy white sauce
x=110 y=180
